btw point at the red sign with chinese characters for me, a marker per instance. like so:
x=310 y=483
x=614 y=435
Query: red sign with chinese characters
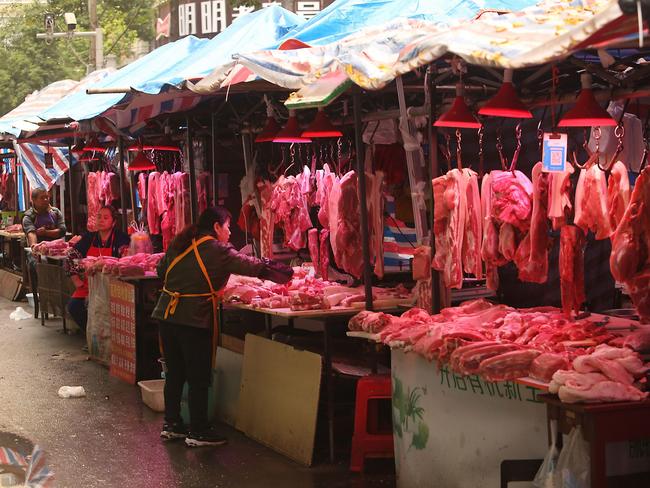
x=123 y=353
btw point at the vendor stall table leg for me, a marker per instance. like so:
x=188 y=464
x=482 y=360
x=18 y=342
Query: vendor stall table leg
x=601 y=424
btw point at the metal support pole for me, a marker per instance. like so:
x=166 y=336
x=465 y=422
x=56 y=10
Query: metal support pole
x=215 y=181
x=122 y=183
x=363 y=203
x=68 y=184
x=432 y=139
x=190 y=162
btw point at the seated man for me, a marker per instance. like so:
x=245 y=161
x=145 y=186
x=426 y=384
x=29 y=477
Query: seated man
x=41 y=222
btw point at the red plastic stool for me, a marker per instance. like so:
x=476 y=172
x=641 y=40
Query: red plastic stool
x=365 y=443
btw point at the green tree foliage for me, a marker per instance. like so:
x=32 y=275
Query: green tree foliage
x=29 y=64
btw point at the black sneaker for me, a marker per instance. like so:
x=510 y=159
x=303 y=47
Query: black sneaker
x=173 y=431
x=205 y=438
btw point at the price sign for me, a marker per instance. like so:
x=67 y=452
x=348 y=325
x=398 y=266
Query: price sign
x=554 y=152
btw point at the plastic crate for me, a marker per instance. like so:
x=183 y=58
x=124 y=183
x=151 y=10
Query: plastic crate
x=152 y=394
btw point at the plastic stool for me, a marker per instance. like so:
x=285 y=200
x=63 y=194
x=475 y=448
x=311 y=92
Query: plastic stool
x=364 y=443
x=518 y=470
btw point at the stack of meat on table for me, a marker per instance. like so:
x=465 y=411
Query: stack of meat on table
x=581 y=358
x=286 y=204
x=140 y=264
x=304 y=292
x=57 y=247
x=510 y=217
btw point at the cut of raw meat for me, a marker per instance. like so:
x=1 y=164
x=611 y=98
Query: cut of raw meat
x=348 y=250
x=153 y=195
x=93 y=188
x=324 y=187
x=512 y=198
x=267 y=224
x=324 y=254
x=572 y=272
x=508 y=366
x=618 y=193
x=422 y=263
x=591 y=202
x=450 y=209
x=375 y=202
x=507 y=241
x=470 y=361
x=545 y=365
x=291 y=211
x=532 y=253
x=630 y=258
x=313 y=244
x=639 y=340
x=472 y=263
x=609 y=367
x=559 y=197
x=182 y=204
x=490 y=246
x=604 y=391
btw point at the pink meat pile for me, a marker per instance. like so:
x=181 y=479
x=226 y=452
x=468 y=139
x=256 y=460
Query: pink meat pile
x=166 y=201
x=608 y=374
x=137 y=265
x=285 y=204
x=303 y=292
x=14 y=229
x=495 y=341
x=58 y=247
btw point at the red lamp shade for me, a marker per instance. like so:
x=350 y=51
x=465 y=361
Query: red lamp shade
x=321 y=127
x=459 y=114
x=506 y=103
x=141 y=163
x=586 y=112
x=291 y=132
x=269 y=131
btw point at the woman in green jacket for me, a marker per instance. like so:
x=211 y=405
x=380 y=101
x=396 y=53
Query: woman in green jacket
x=195 y=269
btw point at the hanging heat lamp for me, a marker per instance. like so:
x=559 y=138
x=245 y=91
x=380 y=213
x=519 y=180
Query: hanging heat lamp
x=506 y=102
x=271 y=128
x=586 y=112
x=321 y=127
x=269 y=131
x=292 y=133
x=141 y=163
x=458 y=115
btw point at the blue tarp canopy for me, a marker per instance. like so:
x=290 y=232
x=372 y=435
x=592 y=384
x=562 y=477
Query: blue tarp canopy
x=345 y=17
x=176 y=62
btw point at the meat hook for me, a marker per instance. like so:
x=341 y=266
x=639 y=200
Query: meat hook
x=446 y=151
x=480 y=152
x=619 y=132
x=515 y=156
x=500 y=150
x=593 y=156
x=459 y=150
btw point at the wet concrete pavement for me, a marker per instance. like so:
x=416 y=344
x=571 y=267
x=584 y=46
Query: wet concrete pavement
x=110 y=438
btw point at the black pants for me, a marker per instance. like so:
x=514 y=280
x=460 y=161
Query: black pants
x=78 y=310
x=187 y=356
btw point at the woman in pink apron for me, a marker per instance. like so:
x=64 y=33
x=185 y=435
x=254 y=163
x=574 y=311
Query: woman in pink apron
x=106 y=241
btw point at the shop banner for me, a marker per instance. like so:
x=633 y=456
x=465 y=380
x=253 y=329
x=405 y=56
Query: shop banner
x=123 y=353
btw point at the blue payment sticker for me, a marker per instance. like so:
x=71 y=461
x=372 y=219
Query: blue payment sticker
x=554 y=152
